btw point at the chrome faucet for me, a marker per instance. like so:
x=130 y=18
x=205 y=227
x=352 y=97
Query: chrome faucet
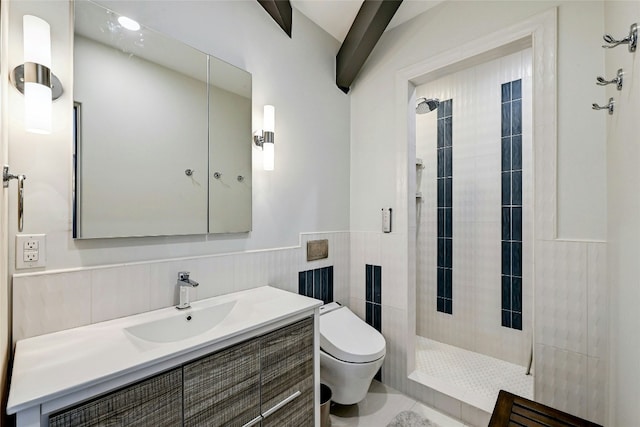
x=185 y=283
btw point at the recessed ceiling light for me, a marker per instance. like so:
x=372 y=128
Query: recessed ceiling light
x=129 y=23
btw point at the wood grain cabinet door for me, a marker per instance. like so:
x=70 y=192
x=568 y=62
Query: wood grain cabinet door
x=154 y=402
x=223 y=389
x=286 y=358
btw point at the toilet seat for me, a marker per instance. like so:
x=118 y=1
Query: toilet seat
x=346 y=337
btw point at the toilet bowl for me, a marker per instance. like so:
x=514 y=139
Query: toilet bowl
x=351 y=352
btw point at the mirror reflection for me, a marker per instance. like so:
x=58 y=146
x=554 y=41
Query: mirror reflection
x=155 y=121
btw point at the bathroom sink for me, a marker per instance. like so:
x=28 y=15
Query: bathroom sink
x=182 y=325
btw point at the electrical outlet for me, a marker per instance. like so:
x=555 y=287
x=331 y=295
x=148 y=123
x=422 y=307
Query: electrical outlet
x=31 y=245
x=31 y=251
x=30 y=256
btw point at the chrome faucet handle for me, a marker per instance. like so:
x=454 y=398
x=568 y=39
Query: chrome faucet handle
x=183 y=276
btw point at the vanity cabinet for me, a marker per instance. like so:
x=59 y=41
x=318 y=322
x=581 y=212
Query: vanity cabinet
x=156 y=401
x=267 y=380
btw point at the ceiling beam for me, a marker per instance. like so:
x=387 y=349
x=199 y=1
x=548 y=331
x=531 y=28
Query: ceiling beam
x=280 y=11
x=369 y=24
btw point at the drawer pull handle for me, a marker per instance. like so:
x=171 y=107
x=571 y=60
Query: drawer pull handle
x=281 y=404
x=254 y=421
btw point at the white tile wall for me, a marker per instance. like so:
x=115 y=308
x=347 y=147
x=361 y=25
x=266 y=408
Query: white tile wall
x=52 y=301
x=476 y=320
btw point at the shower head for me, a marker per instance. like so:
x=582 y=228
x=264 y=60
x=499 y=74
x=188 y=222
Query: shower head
x=426 y=105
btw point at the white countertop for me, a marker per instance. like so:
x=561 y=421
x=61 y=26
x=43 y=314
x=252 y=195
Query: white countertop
x=54 y=365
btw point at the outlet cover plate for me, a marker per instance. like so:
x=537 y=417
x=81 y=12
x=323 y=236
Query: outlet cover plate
x=31 y=251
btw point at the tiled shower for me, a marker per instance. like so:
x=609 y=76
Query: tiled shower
x=474 y=242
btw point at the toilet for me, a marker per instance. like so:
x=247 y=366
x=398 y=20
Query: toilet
x=351 y=352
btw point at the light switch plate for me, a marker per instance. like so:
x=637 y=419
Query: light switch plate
x=31 y=251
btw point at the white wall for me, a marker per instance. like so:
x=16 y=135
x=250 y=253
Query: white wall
x=309 y=189
x=581 y=151
x=623 y=177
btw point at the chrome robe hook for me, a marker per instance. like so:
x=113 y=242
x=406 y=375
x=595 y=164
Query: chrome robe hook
x=609 y=106
x=618 y=80
x=631 y=39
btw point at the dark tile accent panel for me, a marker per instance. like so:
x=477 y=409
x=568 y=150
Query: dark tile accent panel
x=373 y=304
x=445 y=207
x=317 y=283
x=511 y=169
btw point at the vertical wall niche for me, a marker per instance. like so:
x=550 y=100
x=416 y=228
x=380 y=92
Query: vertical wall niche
x=511 y=160
x=444 y=300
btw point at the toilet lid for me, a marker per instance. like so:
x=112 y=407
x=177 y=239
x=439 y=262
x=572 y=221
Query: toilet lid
x=348 y=338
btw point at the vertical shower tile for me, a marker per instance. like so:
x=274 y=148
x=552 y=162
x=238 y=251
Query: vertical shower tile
x=516 y=188
x=309 y=282
x=441 y=222
x=448 y=192
x=441 y=282
x=506 y=188
x=516 y=320
x=506 y=258
x=441 y=133
x=324 y=288
x=506 y=119
x=506 y=223
x=516 y=89
x=377 y=284
x=506 y=293
x=441 y=193
x=369 y=313
x=330 y=284
x=516 y=117
x=448 y=161
x=448 y=252
x=506 y=318
x=317 y=283
x=442 y=163
x=516 y=259
x=368 y=282
x=302 y=283
x=516 y=152
x=516 y=289
x=448 y=222
x=506 y=156
x=516 y=223
x=506 y=92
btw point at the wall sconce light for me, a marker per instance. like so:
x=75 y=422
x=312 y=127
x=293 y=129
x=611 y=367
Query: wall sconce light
x=266 y=140
x=34 y=78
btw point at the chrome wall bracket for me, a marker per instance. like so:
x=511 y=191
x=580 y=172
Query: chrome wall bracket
x=609 y=106
x=600 y=81
x=36 y=73
x=266 y=136
x=631 y=39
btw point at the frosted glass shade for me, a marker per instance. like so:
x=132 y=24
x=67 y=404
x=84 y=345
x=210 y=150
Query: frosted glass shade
x=268 y=156
x=37 y=40
x=37 y=108
x=37 y=96
x=269 y=118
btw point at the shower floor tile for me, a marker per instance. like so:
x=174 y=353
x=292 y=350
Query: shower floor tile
x=465 y=375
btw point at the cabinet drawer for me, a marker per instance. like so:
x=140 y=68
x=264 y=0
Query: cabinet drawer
x=287 y=367
x=223 y=388
x=153 y=402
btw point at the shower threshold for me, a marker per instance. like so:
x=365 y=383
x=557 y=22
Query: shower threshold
x=469 y=377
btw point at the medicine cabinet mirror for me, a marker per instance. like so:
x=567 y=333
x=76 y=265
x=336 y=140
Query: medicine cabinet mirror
x=162 y=134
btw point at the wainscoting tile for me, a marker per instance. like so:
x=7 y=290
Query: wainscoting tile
x=561 y=379
x=561 y=295
x=597 y=386
x=50 y=302
x=598 y=301
x=119 y=291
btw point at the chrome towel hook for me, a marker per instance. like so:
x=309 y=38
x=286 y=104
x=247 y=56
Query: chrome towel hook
x=631 y=39
x=609 y=106
x=618 y=80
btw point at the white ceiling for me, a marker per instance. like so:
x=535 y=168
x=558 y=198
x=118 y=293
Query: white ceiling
x=336 y=16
